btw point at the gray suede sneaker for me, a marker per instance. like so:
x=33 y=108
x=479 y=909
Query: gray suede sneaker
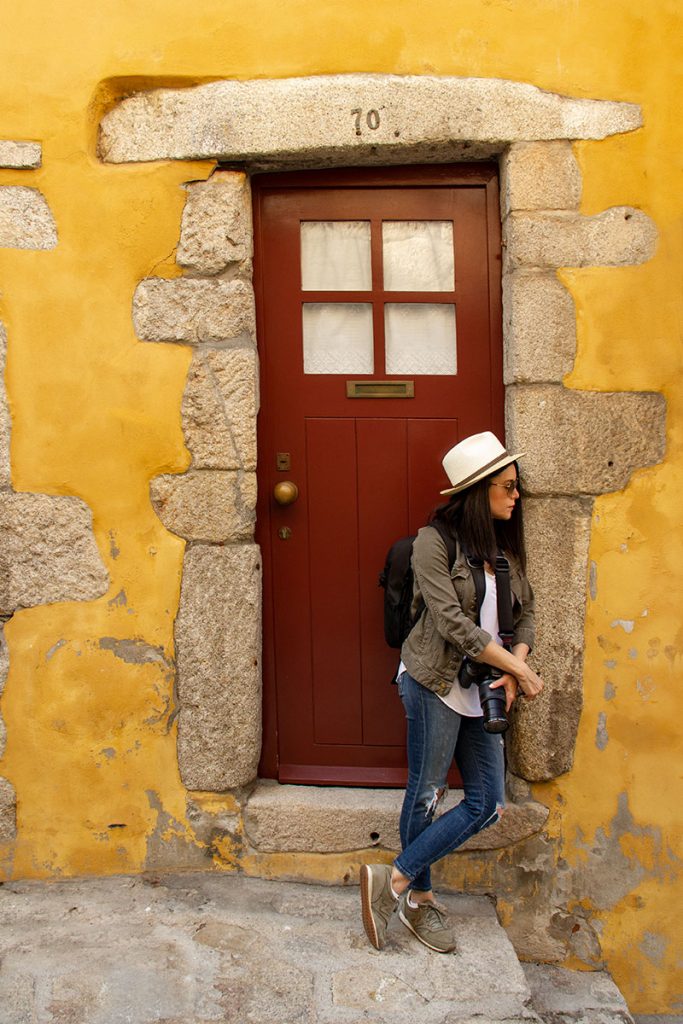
x=376 y=900
x=428 y=924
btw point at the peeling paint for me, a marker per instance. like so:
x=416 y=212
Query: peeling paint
x=601 y=736
x=619 y=857
x=118 y=600
x=53 y=650
x=646 y=687
x=134 y=650
x=653 y=947
x=172 y=843
x=610 y=691
x=626 y=624
x=593 y=581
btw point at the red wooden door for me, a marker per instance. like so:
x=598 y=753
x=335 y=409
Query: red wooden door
x=378 y=300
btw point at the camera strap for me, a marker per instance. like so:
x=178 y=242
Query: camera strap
x=506 y=627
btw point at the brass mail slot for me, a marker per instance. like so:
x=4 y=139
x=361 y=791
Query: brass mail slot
x=380 y=389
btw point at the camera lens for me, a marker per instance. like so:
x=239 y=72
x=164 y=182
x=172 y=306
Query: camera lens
x=493 y=706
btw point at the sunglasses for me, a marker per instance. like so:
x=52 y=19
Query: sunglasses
x=510 y=486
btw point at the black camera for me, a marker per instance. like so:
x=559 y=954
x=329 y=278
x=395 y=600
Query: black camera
x=492 y=701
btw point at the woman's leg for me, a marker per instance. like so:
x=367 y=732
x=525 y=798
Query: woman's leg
x=433 y=730
x=480 y=757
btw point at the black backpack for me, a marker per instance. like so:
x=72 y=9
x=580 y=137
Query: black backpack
x=397 y=580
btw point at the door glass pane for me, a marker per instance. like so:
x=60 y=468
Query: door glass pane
x=418 y=255
x=420 y=338
x=337 y=337
x=335 y=255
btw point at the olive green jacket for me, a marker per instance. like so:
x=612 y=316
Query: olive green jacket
x=447 y=629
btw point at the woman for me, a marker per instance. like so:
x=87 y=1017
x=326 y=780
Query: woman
x=445 y=721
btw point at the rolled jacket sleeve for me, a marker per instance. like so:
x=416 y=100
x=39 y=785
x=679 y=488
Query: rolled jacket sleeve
x=435 y=585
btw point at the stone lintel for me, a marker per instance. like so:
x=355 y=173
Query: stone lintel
x=335 y=819
x=47 y=552
x=348 y=118
x=219 y=408
x=541 y=741
x=583 y=442
x=207 y=504
x=218 y=644
x=216 y=230
x=26 y=221
x=620 y=236
x=540 y=327
x=192 y=311
x=539 y=176
x=20 y=155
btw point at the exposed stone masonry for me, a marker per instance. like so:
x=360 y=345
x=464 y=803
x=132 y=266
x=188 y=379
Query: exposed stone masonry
x=578 y=444
x=26 y=221
x=20 y=155
x=213 y=505
x=218 y=633
x=194 y=311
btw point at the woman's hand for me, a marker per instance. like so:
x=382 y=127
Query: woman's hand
x=530 y=683
x=511 y=686
x=512 y=664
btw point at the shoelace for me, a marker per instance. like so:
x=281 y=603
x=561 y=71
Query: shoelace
x=434 y=916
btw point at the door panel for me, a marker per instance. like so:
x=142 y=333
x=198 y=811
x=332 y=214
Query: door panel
x=368 y=469
x=332 y=501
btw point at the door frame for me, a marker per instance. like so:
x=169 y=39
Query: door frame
x=458 y=175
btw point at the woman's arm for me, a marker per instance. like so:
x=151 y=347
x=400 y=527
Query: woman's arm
x=512 y=663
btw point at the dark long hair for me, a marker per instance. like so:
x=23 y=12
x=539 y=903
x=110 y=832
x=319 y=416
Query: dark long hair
x=468 y=516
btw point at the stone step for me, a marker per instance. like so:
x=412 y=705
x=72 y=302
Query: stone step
x=327 y=819
x=204 y=948
x=575 y=997
x=195 y=949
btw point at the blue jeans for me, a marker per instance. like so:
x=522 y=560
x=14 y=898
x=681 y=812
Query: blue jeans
x=437 y=734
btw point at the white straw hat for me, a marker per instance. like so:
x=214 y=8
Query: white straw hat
x=474 y=458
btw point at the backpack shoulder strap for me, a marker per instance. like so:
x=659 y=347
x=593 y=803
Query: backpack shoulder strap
x=448 y=539
x=476 y=565
x=477 y=568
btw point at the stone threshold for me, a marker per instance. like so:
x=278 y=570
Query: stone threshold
x=335 y=819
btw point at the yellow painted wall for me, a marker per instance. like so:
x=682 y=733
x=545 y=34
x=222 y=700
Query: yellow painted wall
x=96 y=414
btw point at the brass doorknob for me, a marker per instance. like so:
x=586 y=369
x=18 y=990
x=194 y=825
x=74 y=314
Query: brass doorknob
x=286 y=492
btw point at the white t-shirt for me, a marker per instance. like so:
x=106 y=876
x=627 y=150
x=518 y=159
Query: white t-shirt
x=466 y=700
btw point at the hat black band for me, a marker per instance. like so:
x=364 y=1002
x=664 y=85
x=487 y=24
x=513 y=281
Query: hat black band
x=478 y=473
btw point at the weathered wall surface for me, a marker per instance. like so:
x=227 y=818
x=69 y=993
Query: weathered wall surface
x=100 y=418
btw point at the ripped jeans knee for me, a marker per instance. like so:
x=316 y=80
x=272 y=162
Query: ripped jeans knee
x=435 y=798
